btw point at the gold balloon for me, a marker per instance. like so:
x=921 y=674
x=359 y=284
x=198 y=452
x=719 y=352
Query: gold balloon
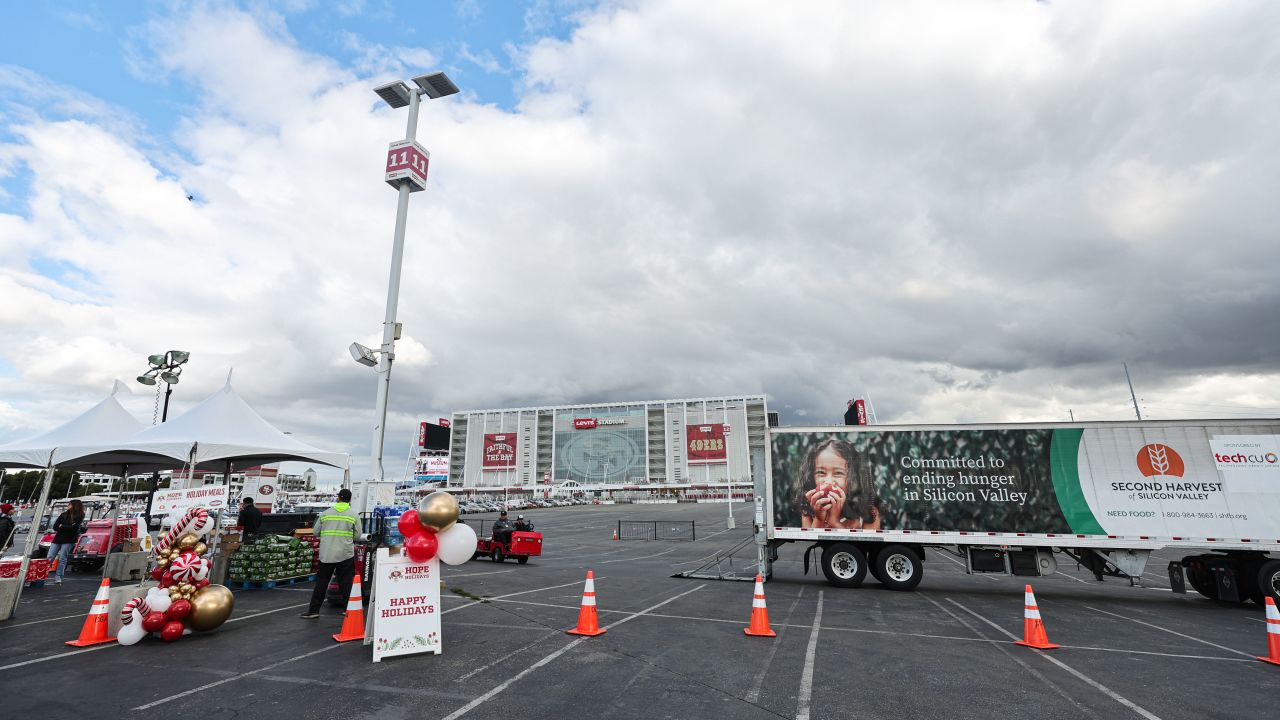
x=187 y=588
x=438 y=511
x=210 y=607
x=187 y=541
x=162 y=561
x=201 y=548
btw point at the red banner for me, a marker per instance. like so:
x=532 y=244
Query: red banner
x=706 y=444
x=499 y=451
x=584 y=423
x=444 y=422
x=860 y=408
x=422 y=435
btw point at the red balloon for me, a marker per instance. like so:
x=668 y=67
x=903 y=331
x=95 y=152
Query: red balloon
x=166 y=581
x=178 y=610
x=157 y=573
x=422 y=547
x=202 y=583
x=154 y=621
x=172 y=631
x=409 y=524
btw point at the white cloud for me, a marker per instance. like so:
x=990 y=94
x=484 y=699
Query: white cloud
x=972 y=212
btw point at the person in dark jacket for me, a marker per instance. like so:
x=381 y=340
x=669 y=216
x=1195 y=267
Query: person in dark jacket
x=66 y=530
x=8 y=528
x=523 y=525
x=502 y=529
x=250 y=520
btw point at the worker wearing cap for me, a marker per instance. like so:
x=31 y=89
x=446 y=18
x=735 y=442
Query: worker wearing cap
x=7 y=525
x=337 y=528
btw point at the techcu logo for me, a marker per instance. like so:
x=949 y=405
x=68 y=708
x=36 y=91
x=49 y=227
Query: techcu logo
x=1156 y=459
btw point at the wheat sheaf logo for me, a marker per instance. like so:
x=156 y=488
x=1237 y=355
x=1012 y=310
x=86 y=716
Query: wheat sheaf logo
x=1156 y=459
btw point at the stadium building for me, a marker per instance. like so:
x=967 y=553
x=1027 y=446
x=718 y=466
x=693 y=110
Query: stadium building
x=661 y=446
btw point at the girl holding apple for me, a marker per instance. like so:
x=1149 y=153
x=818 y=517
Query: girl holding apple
x=823 y=493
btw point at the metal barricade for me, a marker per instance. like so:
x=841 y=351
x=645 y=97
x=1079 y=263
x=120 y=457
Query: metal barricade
x=656 y=530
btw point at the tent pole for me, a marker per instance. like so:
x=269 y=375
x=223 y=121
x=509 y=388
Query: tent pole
x=115 y=518
x=217 y=519
x=32 y=537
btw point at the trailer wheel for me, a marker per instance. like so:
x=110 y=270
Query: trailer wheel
x=898 y=568
x=497 y=555
x=1200 y=576
x=522 y=559
x=844 y=564
x=1269 y=579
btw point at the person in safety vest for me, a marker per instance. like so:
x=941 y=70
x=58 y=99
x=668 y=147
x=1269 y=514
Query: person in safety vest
x=337 y=528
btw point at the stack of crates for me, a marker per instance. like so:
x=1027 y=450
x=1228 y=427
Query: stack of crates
x=272 y=557
x=312 y=542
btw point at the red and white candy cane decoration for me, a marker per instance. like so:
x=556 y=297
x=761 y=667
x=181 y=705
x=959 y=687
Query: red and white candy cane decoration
x=192 y=520
x=139 y=604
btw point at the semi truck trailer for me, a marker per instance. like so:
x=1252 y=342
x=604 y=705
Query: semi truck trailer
x=1018 y=499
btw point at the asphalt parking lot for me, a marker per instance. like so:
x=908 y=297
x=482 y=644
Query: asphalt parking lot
x=674 y=648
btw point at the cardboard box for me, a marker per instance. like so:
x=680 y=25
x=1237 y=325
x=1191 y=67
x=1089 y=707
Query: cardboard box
x=227 y=548
x=133 y=544
x=303 y=531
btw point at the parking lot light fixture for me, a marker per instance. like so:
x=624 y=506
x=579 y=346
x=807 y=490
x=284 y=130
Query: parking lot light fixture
x=406 y=170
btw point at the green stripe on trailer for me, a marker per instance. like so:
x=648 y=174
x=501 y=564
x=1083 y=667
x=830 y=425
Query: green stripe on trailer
x=1064 y=461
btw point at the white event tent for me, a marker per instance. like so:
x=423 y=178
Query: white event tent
x=220 y=432
x=103 y=424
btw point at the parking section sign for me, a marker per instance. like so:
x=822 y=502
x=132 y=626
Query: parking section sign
x=406 y=606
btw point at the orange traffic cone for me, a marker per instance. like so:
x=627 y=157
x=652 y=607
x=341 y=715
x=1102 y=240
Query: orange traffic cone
x=1033 y=634
x=615 y=533
x=94 y=631
x=588 y=622
x=353 y=622
x=759 y=613
x=1273 y=633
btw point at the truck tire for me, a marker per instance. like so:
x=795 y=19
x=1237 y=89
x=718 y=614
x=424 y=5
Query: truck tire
x=1269 y=579
x=844 y=564
x=522 y=559
x=898 y=567
x=1200 y=577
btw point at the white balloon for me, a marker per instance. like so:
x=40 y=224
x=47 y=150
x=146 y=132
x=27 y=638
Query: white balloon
x=158 y=599
x=457 y=544
x=131 y=633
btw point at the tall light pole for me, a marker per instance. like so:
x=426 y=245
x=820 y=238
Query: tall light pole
x=407 y=172
x=168 y=367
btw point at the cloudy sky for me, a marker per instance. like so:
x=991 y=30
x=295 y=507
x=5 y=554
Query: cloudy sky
x=970 y=211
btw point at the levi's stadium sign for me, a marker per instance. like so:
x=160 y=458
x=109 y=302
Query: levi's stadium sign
x=590 y=423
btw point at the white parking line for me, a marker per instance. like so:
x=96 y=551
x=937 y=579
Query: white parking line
x=806 y=676
x=1079 y=675
x=59 y=655
x=754 y=695
x=37 y=622
x=490 y=572
x=292 y=659
x=1171 y=632
x=233 y=678
x=507 y=683
x=508 y=655
x=642 y=557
